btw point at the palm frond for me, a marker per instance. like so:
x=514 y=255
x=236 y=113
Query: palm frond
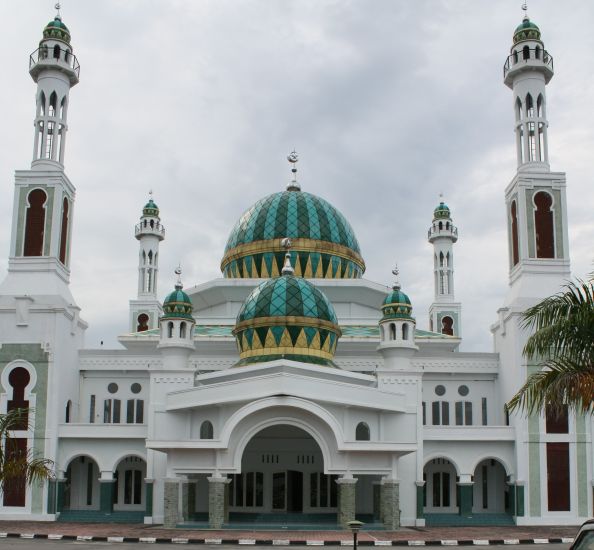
x=562 y=382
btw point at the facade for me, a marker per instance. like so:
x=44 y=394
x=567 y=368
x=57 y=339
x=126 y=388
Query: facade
x=291 y=387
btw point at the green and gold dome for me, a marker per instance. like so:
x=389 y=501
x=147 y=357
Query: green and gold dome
x=526 y=30
x=442 y=211
x=396 y=304
x=323 y=242
x=56 y=30
x=287 y=317
x=177 y=304
x=150 y=209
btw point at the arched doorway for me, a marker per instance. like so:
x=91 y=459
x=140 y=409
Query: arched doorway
x=82 y=491
x=490 y=491
x=129 y=490
x=282 y=471
x=439 y=494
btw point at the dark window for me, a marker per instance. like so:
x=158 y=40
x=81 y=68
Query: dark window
x=557 y=423
x=362 y=432
x=112 y=387
x=447 y=326
x=543 y=221
x=56 y=52
x=68 y=411
x=92 y=410
x=463 y=390
x=18 y=379
x=143 y=320
x=525 y=52
x=558 y=477
x=468 y=413
x=484 y=411
x=135 y=387
x=64 y=231
x=424 y=413
x=206 y=430
x=514 y=231
x=435 y=416
x=139 y=411
x=90 y=483
x=440 y=390
x=485 y=486
x=35 y=223
x=445 y=413
x=15 y=489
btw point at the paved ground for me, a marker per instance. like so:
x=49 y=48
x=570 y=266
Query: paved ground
x=429 y=534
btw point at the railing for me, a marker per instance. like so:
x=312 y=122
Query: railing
x=524 y=55
x=156 y=228
x=446 y=231
x=60 y=56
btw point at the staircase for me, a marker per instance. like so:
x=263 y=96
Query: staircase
x=95 y=516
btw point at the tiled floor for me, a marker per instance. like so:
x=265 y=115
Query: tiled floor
x=428 y=533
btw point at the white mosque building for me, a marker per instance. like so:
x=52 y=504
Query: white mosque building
x=291 y=390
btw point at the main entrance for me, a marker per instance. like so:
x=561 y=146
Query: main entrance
x=282 y=472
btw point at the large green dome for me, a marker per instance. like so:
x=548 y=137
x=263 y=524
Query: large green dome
x=57 y=30
x=177 y=305
x=324 y=243
x=396 y=305
x=287 y=317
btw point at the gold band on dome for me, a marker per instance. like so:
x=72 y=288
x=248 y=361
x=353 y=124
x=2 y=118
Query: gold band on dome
x=299 y=244
x=288 y=321
x=286 y=351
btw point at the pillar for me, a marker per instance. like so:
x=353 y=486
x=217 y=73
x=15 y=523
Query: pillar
x=519 y=498
x=346 y=500
x=148 y=497
x=218 y=501
x=170 y=502
x=185 y=496
x=390 y=504
x=465 y=490
x=51 y=496
x=106 y=495
x=60 y=495
x=420 y=499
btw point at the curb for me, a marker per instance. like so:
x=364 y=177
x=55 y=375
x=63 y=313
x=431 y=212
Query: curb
x=286 y=542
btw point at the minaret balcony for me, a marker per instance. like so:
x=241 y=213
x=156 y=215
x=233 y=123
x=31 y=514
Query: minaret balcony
x=155 y=229
x=528 y=59
x=435 y=232
x=44 y=58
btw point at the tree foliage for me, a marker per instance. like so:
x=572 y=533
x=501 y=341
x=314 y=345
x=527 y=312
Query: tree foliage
x=563 y=344
x=15 y=464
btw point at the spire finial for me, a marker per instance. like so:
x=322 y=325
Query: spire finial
x=287 y=268
x=57 y=6
x=396 y=272
x=150 y=194
x=525 y=9
x=178 y=271
x=293 y=158
x=441 y=196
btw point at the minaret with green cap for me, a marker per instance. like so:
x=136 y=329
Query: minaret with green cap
x=146 y=309
x=444 y=313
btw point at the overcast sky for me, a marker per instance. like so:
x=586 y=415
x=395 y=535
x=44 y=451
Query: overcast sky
x=388 y=103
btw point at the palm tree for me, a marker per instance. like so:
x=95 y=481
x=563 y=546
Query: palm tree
x=17 y=465
x=563 y=327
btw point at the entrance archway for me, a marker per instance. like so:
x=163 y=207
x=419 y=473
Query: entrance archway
x=439 y=494
x=129 y=491
x=82 y=490
x=490 y=493
x=282 y=472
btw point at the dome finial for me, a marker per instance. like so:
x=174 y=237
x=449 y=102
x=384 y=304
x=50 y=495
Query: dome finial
x=178 y=271
x=525 y=9
x=287 y=268
x=57 y=6
x=293 y=185
x=396 y=272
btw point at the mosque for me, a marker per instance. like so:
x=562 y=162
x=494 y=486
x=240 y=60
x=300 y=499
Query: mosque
x=290 y=391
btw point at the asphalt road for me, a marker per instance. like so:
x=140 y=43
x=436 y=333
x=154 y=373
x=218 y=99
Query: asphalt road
x=44 y=544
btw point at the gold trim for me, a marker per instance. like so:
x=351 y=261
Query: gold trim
x=299 y=244
x=290 y=320
x=286 y=350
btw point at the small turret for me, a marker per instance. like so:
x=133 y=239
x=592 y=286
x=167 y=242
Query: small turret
x=397 y=329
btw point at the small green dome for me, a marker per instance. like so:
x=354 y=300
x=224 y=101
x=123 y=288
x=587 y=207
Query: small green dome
x=324 y=243
x=57 y=30
x=396 y=305
x=442 y=211
x=287 y=317
x=177 y=305
x=526 y=30
x=150 y=209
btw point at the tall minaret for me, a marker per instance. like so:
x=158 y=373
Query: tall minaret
x=42 y=332
x=535 y=198
x=44 y=196
x=146 y=309
x=539 y=266
x=444 y=313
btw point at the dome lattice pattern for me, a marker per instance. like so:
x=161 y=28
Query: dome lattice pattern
x=57 y=30
x=177 y=305
x=323 y=243
x=286 y=317
x=396 y=305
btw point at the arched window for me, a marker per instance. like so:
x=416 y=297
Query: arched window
x=515 y=56
x=514 y=233
x=152 y=223
x=543 y=223
x=447 y=226
x=170 y=329
x=53 y=104
x=519 y=113
x=447 y=326
x=382 y=333
x=206 y=430
x=42 y=104
x=182 y=330
x=525 y=52
x=68 y=411
x=362 y=432
x=392 y=331
x=441 y=258
x=537 y=52
x=143 y=320
x=539 y=106
x=62 y=107
x=56 y=51
x=64 y=231
x=405 y=331
x=440 y=226
x=529 y=106
x=35 y=223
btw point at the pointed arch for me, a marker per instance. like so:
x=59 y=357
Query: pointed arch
x=441 y=259
x=526 y=53
x=42 y=103
x=57 y=51
x=519 y=113
x=543 y=225
x=64 y=230
x=529 y=106
x=35 y=223
x=53 y=104
x=537 y=52
x=540 y=106
x=447 y=325
x=405 y=331
x=514 y=233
